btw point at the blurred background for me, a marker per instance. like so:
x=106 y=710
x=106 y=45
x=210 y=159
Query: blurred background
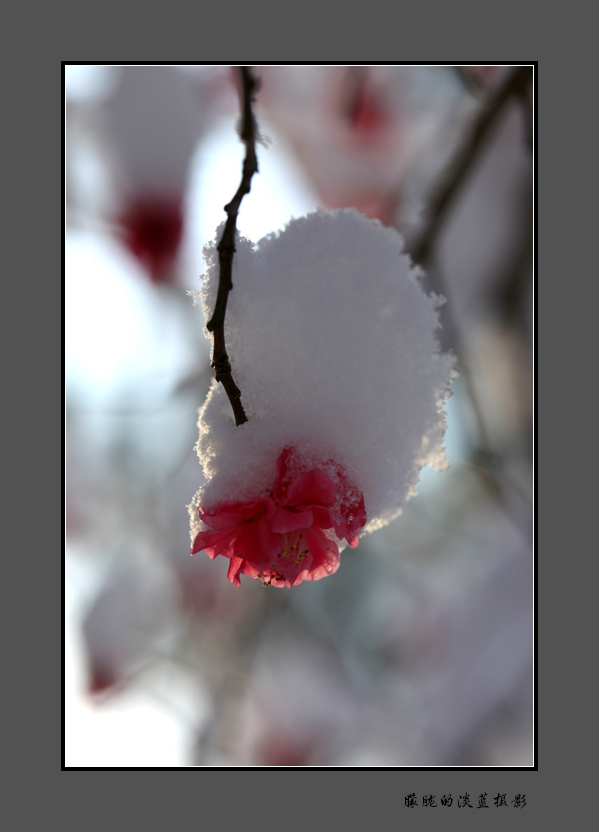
x=420 y=650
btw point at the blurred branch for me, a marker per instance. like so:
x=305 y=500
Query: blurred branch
x=219 y=732
x=514 y=83
x=467 y=81
x=511 y=291
x=514 y=86
x=477 y=88
x=226 y=247
x=526 y=98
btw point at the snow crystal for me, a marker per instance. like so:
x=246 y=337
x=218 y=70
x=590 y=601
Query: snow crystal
x=332 y=343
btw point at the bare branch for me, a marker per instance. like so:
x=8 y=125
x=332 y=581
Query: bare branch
x=514 y=83
x=514 y=86
x=226 y=248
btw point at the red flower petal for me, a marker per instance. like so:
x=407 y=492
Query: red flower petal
x=322 y=518
x=309 y=488
x=232 y=514
x=286 y=520
x=259 y=543
x=235 y=567
x=212 y=542
x=280 y=539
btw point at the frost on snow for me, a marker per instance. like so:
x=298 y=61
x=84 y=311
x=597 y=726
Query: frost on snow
x=332 y=344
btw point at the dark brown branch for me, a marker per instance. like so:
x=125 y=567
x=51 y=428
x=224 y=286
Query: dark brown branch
x=514 y=86
x=514 y=83
x=468 y=82
x=525 y=96
x=226 y=248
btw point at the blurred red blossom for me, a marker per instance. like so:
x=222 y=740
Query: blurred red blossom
x=153 y=226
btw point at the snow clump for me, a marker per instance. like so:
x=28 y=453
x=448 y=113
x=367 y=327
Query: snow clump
x=332 y=344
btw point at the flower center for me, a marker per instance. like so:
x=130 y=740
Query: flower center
x=295 y=546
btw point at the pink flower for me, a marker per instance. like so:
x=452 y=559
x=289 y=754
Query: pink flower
x=281 y=537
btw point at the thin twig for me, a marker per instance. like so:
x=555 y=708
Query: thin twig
x=467 y=81
x=526 y=99
x=514 y=85
x=514 y=82
x=226 y=248
x=219 y=733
